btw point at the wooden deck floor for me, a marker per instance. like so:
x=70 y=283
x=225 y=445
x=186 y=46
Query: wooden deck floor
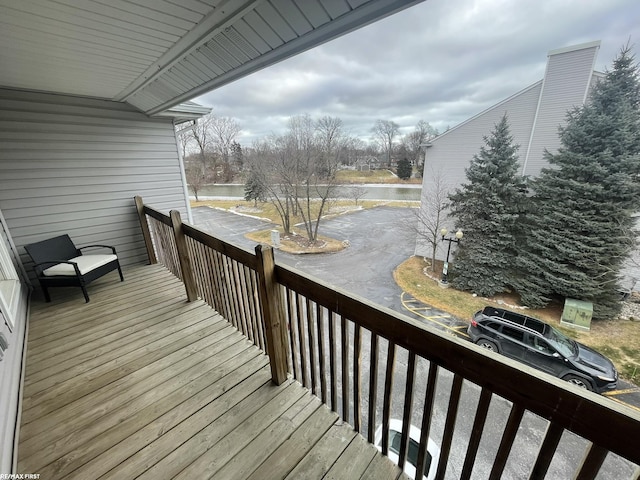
x=141 y=384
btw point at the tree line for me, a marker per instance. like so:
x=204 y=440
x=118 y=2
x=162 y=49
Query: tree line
x=568 y=232
x=295 y=171
x=213 y=154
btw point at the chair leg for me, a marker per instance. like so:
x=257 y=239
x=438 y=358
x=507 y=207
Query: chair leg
x=84 y=292
x=45 y=291
x=120 y=272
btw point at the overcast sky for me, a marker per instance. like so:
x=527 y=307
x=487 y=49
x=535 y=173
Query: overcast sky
x=439 y=61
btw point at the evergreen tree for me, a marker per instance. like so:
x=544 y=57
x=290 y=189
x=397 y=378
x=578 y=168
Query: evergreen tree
x=254 y=187
x=582 y=229
x=487 y=210
x=404 y=169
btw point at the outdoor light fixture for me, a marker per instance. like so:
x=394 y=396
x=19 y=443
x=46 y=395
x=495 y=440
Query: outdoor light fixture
x=456 y=239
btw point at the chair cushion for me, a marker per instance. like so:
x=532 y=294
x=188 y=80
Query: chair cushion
x=86 y=263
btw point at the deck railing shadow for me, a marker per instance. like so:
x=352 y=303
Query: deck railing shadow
x=370 y=364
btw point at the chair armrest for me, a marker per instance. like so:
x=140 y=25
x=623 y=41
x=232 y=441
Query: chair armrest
x=113 y=249
x=39 y=266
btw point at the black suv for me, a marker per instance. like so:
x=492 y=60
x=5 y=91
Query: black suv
x=541 y=346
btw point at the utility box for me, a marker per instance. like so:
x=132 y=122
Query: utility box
x=577 y=314
x=275 y=238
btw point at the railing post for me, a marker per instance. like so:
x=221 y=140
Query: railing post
x=146 y=234
x=275 y=322
x=183 y=256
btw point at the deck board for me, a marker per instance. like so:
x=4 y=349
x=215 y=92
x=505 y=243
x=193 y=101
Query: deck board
x=139 y=383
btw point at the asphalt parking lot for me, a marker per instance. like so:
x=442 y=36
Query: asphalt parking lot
x=379 y=240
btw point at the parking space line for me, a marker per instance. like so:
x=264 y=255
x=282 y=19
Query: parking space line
x=617 y=400
x=431 y=318
x=622 y=392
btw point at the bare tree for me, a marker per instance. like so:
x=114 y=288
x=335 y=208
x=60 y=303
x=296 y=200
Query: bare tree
x=224 y=131
x=432 y=212
x=201 y=135
x=412 y=141
x=299 y=176
x=330 y=136
x=384 y=134
x=357 y=192
x=195 y=178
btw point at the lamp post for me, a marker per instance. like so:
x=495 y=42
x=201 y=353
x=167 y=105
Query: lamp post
x=456 y=239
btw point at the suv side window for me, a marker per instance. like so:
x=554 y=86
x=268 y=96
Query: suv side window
x=493 y=325
x=513 y=333
x=542 y=345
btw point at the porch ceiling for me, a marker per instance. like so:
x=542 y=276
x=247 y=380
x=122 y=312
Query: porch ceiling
x=156 y=54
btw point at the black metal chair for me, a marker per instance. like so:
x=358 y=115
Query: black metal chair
x=59 y=263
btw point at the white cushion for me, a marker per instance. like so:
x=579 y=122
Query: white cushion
x=86 y=263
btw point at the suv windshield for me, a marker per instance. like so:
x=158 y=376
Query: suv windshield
x=561 y=343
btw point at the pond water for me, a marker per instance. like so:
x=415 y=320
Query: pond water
x=365 y=192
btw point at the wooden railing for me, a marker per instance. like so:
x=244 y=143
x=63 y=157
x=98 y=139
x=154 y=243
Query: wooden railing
x=371 y=364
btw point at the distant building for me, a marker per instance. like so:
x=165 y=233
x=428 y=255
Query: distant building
x=534 y=115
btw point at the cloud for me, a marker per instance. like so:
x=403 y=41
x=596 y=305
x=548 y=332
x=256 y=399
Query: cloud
x=439 y=61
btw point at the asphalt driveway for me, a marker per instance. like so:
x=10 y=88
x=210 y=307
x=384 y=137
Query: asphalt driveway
x=380 y=239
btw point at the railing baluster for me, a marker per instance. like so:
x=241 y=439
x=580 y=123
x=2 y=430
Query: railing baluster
x=449 y=426
x=332 y=361
x=237 y=319
x=321 y=353
x=357 y=383
x=476 y=433
x=293 y=335
x=220 y=280
x=301 y=342
x=406 y=414
x=547 y=451
x=249 y=305
x=214 y=279
x=388 y=388
x=427 y=413
x=345 y=368
x=593 y=460
x=373 y=387
x=312 y=344
x=242 y=304
x=508 y=437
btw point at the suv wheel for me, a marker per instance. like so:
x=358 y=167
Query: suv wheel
x=578 y=381
x=488 y=344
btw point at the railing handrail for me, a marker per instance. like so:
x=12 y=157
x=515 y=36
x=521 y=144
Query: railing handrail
x=546 y=396
x=586 y=414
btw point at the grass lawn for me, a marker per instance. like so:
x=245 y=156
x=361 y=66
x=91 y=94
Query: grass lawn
x=617 y=339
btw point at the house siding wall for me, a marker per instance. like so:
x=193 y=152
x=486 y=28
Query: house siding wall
x=451 y=152
x=73 y=165
x=534 y=114
x=565 y=85
x=11 y=370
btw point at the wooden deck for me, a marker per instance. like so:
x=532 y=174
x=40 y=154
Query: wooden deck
x=141 y=384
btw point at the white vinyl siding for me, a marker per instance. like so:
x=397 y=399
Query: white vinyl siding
x=70 y=165
x=534 y=116
x=12 y=332
x=565 y=85
x=452 y=151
